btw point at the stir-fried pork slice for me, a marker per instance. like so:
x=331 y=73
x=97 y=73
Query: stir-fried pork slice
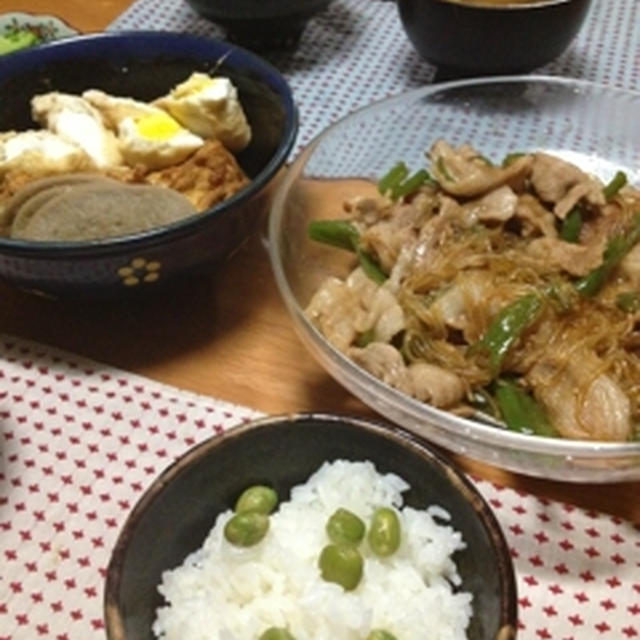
x=332 y=310
x=630 y=266
x=563 y=184
x=534 y=217
x=435 y=232
x=466 y=304
x=385 y=362
x=342 y=310
x=572 y=198
x=436 y=385
x=601 y=228
x=575 y=259
x=498 y=205
x=426 y=382
x=389 y=235
x=337 y=308
x=582 y=402
x=463 y=172
x=384 y=315
x=386 y=240
x=368 y=209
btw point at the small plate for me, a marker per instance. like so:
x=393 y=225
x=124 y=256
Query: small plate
x=34 y=28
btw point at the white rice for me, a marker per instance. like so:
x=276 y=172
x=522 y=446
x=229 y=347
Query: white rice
x=222 y=592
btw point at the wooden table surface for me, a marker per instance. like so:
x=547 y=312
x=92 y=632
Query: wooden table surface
x=228 y=335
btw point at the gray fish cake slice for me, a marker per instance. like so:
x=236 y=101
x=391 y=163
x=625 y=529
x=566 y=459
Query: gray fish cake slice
x=42 y=189
x=97 y=211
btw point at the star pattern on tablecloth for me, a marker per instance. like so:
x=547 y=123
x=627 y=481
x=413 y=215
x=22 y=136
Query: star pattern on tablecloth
x=80 y=442
x=578 y=571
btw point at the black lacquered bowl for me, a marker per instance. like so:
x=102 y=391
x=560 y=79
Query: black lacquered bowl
x=145 y=65
x=486 y=39
x=174 y=516
x=261 y=24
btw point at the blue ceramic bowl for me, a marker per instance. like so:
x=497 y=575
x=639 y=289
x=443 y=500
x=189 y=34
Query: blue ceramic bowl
x=144 y=65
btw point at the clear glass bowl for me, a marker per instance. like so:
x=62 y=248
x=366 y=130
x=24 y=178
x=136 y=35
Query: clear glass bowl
x=594 y=126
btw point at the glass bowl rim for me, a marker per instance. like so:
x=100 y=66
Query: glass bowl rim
x=447 y=421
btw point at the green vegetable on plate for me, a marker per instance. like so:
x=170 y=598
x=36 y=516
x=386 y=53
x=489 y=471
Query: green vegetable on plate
x=344 y=235
x=629 y=301
x=520 y=411
x=392 y=178
x=617 y=182
x=571 y=226
x=507 y=327
x=617 y=248
x=17 y=40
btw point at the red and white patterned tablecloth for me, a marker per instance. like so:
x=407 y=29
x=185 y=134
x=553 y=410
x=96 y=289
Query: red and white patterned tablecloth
x=80 y=442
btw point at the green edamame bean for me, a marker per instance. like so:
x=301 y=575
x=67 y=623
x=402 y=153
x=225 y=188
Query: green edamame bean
x=342 y=564
x=247 y=528
x=258 y=498
x=384 y=532
x=381 y=634
x=276 y=633
x=344 y=527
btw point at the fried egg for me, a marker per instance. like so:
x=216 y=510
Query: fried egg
x=40 y=152
x=210 y=108
x=155 y=140
x=73 y=118
x=147 y=135
x=114 y=109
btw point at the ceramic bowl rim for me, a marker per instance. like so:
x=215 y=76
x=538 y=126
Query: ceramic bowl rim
x=399 y=435
x=512 y=6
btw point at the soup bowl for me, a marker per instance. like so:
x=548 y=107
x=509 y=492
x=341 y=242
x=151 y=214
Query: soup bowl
x=485 y=37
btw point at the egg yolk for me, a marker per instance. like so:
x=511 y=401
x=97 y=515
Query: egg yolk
x=157 y=126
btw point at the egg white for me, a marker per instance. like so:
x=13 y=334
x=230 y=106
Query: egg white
x=75 y=119
x=209 y=107
x=155 y=141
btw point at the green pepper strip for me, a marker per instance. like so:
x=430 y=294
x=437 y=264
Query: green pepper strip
x=511 y=157
x=338 y=233
x=410 y=185
x=571 y=226
x=393 y=178
x=520 y=411
x=507 y=327
x=617 y=182
x=629 y=301
x=484 y=160
x=365 y=338
x=616 y=250
x=344 y=235
x=442 y=168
